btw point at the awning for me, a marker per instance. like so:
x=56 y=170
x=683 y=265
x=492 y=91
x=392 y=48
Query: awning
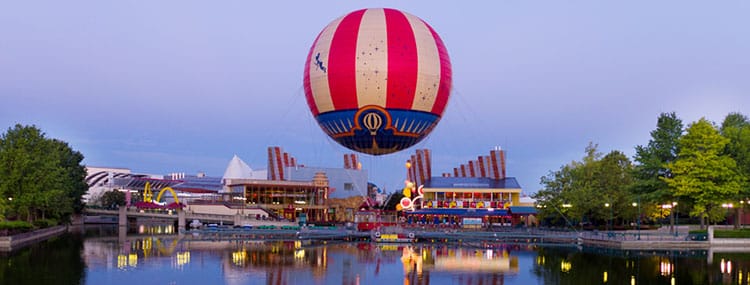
x=459 y=212
x=522 y=210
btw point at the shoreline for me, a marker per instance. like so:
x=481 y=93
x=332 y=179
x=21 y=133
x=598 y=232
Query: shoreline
x=587 y=239
x=19 y=241
x=649 y=241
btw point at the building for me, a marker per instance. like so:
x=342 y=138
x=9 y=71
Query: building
x=349 y=181
x=477 y=191
x=103 y=179
x=290 y=189
x=285 y=189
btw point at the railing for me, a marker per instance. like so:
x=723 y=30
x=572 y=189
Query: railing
x=632 y=236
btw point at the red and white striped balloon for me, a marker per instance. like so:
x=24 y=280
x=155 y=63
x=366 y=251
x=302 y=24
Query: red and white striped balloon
x=377 y=57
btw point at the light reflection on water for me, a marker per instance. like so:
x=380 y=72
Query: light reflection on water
x=187 y=260
x=100 y=256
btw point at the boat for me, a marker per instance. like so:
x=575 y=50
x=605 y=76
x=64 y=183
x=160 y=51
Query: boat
x=393 y=234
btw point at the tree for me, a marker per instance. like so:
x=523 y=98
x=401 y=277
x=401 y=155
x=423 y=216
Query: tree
x=653 y=159
x=40 y=178
x=614 y=179
x=113 y=198
x=736 y=128
x=578 y=191
x=702 y=172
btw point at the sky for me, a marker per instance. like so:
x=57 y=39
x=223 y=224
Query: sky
x=182 y=86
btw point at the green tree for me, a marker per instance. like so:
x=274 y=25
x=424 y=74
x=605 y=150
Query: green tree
x=578 y=191
x=736 y=127
x=40 y=178
x=614 y=179
x=653 y=159
x=702 y=172
x=113 y=198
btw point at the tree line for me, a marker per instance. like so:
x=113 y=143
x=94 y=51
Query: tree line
x=41 y=179
x=700 y=171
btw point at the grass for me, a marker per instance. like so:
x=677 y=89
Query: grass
x=741 y=233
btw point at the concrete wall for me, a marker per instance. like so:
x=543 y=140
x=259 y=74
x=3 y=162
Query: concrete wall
x=224 y=210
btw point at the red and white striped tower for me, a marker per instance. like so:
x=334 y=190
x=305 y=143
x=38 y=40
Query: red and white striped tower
x=278 y=161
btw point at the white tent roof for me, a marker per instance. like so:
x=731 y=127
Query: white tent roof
x=238 y=169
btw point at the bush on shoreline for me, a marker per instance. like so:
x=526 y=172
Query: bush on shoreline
x=14 y=227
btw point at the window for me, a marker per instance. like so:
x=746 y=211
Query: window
x=348 y=186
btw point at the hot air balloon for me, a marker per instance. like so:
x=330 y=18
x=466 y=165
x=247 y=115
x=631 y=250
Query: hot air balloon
x=377 y=80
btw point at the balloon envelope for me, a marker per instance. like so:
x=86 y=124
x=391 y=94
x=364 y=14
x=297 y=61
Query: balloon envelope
x=377 y=80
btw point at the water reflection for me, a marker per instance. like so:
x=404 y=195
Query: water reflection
x=294 y=262
x=102 y=256
x=606 y=266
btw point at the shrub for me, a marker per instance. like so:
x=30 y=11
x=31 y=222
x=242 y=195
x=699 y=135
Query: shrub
x=15 y=226
x=45 y=223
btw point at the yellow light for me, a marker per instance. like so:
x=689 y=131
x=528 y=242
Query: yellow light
x=605 y=277
x=565 y=266
x=299 y=254
x=632 y=280
x=132 y=260
x=672 y=281
x=540 y=260
x=635 y=204
x=606 y=205
x=239 y=258
x=739 y=277
x=122 y=261
x=183 y=258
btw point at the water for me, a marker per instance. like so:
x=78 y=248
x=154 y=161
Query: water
x=154 y=255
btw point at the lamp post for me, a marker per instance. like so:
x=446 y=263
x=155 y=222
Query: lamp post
x=638 y=218
x=676 y=219
x=727 y=206
x=739 y=213
x=671 y=217
x=567 y=205
x=611 y=215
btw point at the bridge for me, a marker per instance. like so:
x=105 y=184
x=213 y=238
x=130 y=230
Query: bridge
x=182 y=217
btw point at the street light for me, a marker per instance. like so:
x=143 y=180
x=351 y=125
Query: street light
x=611 y=215
x=727 y=206
x=638 y=219
x=671 y=217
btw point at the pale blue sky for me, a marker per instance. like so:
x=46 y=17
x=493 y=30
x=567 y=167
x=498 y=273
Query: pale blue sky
x=165 y=86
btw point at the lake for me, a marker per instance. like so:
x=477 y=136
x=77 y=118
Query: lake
x=155 y=255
